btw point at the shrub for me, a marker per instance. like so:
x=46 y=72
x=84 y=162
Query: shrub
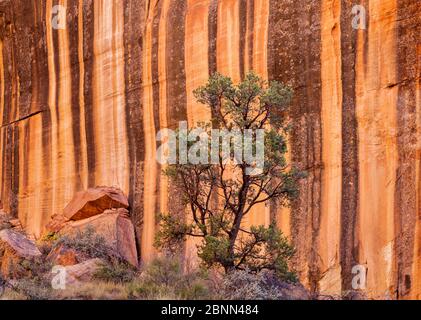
x=165 y=279
x=34 y=289
x=245 y=285
x=88 y=243
x=116 y=272
x=50 y=237
x=33 y=279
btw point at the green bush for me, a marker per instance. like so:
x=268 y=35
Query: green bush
x=88 y=243
x=116 y=272
x=165 y=279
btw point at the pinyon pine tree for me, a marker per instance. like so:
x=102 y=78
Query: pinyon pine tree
x=220 y=195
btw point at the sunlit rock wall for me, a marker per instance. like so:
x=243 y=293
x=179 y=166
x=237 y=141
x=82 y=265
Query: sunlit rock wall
x=81 y=106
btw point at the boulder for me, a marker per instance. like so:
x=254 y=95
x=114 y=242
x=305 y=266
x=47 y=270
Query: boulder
x=94 y=201
x=115 y=227
x=14 y=248
x=330 y=283
x=57 y=222
x=82 y=272
x=20 y=244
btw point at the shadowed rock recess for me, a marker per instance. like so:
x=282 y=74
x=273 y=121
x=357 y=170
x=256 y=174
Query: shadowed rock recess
x=80 y=108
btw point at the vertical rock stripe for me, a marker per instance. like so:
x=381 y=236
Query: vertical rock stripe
x=260 y=214
x=196 y=58
x=331 y=115
x=84 y=155
x=2 y=151
x=228 y=39
x=151 y=168
x=416 y=266
x=376 y=115
x=109 y=95
x=163 y=105
x=52 y=101
x=66 y=150
x=197 y=74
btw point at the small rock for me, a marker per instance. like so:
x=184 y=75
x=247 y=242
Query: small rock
x=63 y=256
x=95 y=201
x=15 y=223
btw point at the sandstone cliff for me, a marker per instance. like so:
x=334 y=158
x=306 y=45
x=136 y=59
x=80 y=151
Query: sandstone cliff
x=80 y=107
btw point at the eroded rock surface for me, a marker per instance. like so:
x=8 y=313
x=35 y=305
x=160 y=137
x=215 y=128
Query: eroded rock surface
x=14 y=248
x=19 y=244
x=94 y=201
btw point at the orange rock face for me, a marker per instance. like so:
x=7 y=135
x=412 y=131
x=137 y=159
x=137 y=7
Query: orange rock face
x=80 y=106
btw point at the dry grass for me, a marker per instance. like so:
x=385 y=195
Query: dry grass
x=95 y=290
